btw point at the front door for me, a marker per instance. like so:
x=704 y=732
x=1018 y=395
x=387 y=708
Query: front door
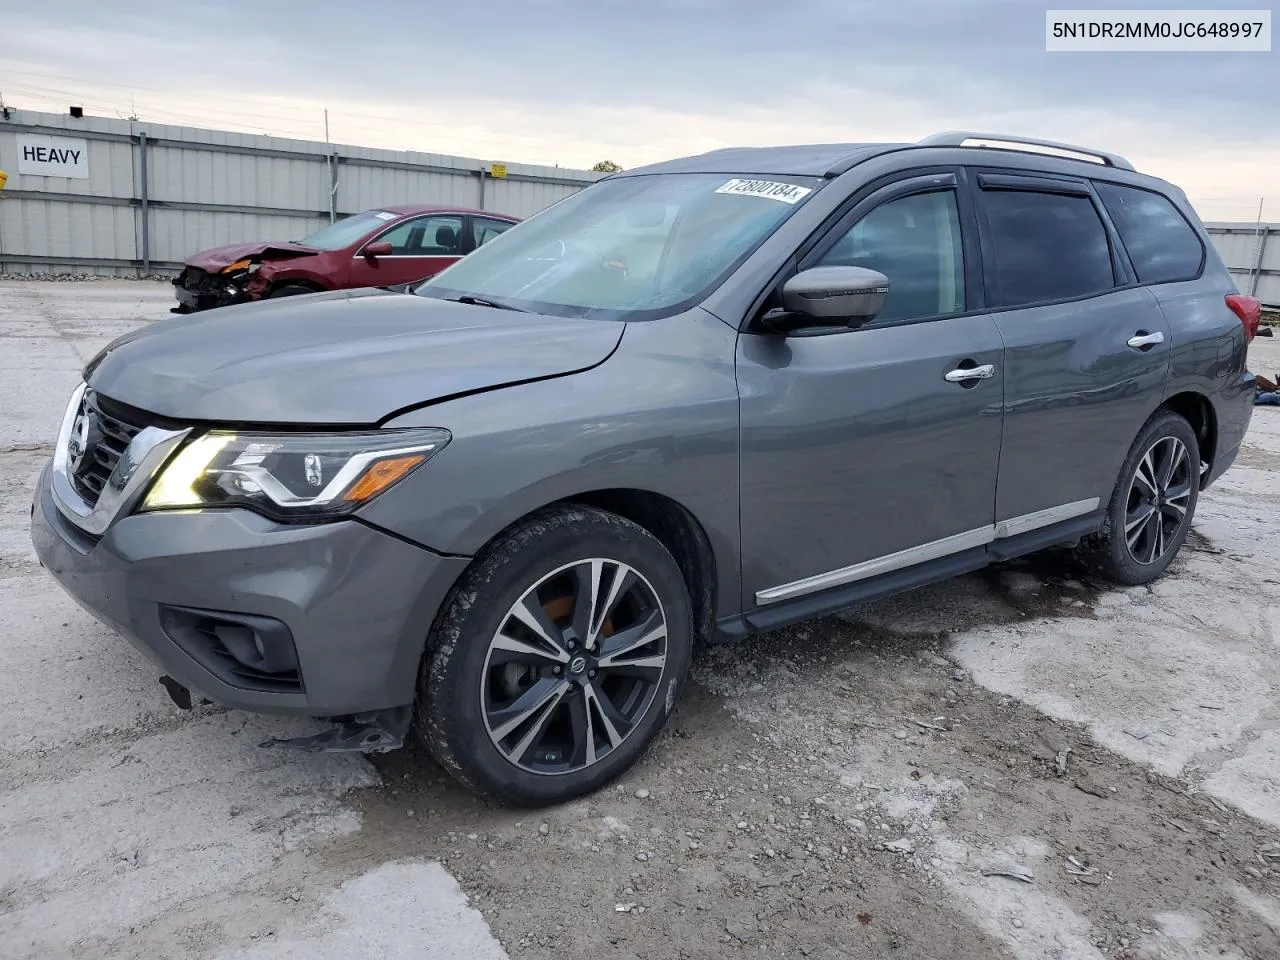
x=872 y=450
x=420 y=248
x=1087 y=352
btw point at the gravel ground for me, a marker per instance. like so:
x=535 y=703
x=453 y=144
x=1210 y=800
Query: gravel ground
x=1021 y=763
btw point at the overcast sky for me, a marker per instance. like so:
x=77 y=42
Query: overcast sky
x=570 y=82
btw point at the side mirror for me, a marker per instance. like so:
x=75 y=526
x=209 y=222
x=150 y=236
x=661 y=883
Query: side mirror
x=379 y=248
x=834 y=296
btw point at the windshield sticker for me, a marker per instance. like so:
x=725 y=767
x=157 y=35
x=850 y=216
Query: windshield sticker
x=786 y=192
x=383 y=215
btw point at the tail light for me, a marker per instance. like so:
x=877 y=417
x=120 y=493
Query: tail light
x=1249 y=310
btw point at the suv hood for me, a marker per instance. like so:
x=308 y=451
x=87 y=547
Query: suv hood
x=344 y=358
x=213 y=260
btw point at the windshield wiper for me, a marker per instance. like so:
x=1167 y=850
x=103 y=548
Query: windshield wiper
x=484 y=302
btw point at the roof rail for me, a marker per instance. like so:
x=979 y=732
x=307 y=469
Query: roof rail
x=959 y=138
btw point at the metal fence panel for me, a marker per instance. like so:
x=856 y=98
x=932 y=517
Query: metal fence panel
x=63 y=230
x=1236 y=249
x=521 y=198
x=110 y=171
x=187 y=174
x=157 y=193
x=362 y=187
x=176 y=234
x=1252 y=254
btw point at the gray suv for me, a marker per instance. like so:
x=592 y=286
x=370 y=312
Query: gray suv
x=698 y=399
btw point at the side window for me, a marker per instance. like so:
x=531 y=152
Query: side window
x=425 y=237
x=440 y=237
x=1161 y=244
x=486 y=230
x=400 y=236
x=915 y=242
x=1047 y=246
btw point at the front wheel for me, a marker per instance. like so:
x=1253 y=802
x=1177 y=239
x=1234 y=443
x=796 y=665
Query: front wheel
x=557 y=658
x=291 y=290
x=1151 y=509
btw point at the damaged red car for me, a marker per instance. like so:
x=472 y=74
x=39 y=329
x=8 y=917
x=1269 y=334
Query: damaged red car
x=386 y=247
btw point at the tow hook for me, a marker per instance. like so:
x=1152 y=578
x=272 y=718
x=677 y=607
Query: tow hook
x=378 y=731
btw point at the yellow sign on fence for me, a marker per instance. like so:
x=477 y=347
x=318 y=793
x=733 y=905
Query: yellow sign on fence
x=4 y=178
x=498 y=170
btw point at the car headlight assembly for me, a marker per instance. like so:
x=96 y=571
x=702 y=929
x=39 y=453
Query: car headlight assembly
x=237 y=274
x=291 y=477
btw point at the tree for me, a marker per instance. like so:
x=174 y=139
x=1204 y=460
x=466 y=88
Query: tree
x=606 y=166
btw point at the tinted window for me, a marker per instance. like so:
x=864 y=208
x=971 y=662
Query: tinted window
x=425 y=237
x=915 y=242
x=1160 y=242
x=1047 y=246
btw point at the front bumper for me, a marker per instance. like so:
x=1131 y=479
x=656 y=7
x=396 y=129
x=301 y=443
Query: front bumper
x=197 y=290
x=353 y=603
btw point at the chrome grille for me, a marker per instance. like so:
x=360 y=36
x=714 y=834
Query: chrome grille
x=98 y=440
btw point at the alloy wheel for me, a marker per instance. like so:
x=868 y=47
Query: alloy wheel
x=574 y=666
x=1159 y=495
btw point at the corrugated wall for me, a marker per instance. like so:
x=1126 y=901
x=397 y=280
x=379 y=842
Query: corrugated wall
x=204 y=188
x=1252 y=254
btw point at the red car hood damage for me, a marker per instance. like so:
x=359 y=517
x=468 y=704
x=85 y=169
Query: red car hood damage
x=215 y=259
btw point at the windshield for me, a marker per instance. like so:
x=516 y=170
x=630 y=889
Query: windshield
x=627 y=248
x=346 y=232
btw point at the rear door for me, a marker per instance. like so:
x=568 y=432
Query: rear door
x=871 y=450
x=484 y=229
x=1086 y=347
x=420 y=248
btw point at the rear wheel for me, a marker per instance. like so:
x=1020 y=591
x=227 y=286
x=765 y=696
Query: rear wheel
x=557 y=659
x=1151 y=509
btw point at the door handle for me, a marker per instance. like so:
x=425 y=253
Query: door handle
x=1146 y=340
x=959 y=375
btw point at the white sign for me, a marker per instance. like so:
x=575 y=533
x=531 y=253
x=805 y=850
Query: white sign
x=786 y=192
x=1115 y=31
x=41 y=156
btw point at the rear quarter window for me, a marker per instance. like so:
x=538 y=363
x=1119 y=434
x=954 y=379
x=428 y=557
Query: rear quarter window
x=1162 y=246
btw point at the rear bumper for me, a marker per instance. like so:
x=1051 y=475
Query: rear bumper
x=1233 y=411
x=351 y=604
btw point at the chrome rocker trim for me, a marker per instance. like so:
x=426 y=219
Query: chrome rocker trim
x=934 y=550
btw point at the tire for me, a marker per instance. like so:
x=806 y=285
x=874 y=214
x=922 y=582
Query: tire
x=1130 y=549
x=591 y=703
x=290 y=290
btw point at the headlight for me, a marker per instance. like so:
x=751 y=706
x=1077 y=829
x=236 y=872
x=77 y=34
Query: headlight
x=291 y=476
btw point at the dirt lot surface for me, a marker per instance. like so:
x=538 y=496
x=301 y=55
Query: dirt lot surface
x=1022 y=763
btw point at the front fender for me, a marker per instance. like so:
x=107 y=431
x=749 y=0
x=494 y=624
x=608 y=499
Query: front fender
x=270 y=276
x=661 y=416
